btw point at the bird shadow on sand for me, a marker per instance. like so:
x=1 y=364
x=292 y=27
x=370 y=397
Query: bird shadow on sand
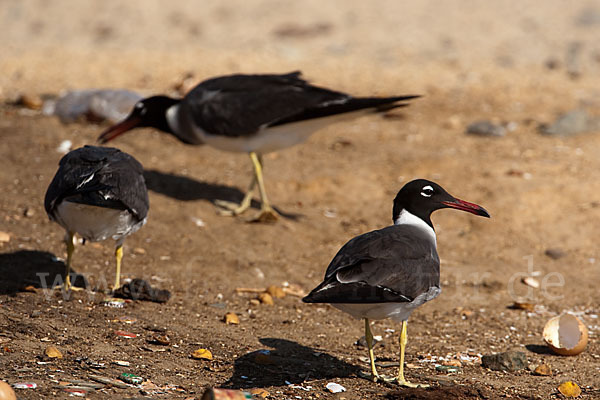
x=188 y=189
x=284 y=362
x=39 y=269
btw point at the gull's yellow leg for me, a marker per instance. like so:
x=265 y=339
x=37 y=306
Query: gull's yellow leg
x=267 y=213
x=118 y=257
x=229 y=208
x=369 y=337
x=403 y=341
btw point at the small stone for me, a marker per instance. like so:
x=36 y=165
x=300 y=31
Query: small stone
x=543 y=370
x=571 y=123
x=139 y=251
x=30 y=289
x=555 y=253
x=121 y=363
x=265 y=298
x=486 y=128
x=447 y=368
x=4 y=237
x=260 y=393
x=31 y=101
x=507 y=361
x=588 y=17
x=275 y=292
x=552 y=63
x=28 y=212
x=53 y=352
x=163 y=340
x=231 y=318
x=531 y=282
x=335 y=387
x=517 y=305
x=452 y=363
x=254 y=302
x=569 y=389
x=202 y=354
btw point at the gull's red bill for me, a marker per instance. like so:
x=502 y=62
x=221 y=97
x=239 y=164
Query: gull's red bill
x=116 y=130
x=466 y=206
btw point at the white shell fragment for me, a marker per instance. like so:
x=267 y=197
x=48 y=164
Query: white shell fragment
x=566 y=335
x=531 y=282
x=335 y=387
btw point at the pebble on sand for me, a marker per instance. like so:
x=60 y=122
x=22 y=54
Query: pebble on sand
x=507 y=361
x=486 y=128
x=4 y=237
x=572 y=123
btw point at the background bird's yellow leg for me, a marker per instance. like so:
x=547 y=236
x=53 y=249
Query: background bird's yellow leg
x=118 y=257
x=231 y=209
x=369 y=338
x=403 y=341
x=267 y=213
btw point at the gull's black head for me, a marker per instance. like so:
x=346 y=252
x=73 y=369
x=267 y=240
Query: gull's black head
x=149 y=112
x=422 y=197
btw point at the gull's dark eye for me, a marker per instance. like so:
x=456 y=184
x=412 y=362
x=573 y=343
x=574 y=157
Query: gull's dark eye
x=427 y=191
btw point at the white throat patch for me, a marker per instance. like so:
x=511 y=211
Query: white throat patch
x=406 y=218
x=172 y=119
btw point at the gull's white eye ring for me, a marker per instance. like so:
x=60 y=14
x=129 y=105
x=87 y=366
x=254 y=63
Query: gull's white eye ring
x=427 y=191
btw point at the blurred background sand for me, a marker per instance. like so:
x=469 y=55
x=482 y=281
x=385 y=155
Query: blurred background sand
x=377 y=45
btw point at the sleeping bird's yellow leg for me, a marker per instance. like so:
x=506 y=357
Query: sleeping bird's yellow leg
x=70 y=249
x=118 y=257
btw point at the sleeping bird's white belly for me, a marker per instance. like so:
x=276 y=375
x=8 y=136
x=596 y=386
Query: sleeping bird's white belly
x=96 y=223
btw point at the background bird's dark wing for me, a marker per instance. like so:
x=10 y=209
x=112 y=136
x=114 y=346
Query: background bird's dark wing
x=239 y=105
x=393 y=264
x=100 y=176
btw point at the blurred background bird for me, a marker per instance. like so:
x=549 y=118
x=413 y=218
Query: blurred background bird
x=254 y=114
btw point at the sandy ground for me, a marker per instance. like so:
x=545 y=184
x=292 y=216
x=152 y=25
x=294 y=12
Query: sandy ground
x=510 y=62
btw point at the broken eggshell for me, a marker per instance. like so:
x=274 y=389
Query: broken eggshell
x=566 y=335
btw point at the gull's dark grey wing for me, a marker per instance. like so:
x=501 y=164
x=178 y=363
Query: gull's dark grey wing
x=393 y=264
x=239 y=105
x=99 y=176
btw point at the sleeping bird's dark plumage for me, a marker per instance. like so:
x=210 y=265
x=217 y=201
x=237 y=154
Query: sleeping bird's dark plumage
x=390 y=272
x=254 y=114
x=98 y=193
